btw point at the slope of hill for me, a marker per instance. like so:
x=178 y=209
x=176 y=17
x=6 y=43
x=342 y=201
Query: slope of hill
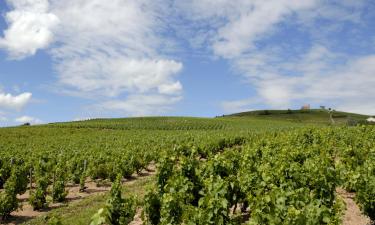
x=179 y=124
x=305 y=116
x=94 y=151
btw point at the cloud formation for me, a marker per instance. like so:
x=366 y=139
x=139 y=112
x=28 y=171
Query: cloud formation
x=251 y=35
x=116 y=52
x=234 y=25
x=28 y=119
x=101 y=50
x=30 y=28
x=141 y=105
x=14 y=102
x=121 y=53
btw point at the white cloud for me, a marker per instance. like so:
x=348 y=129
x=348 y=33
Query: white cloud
x=28 y=119
x=141 y=105
x=108 y=50
x=238 y=36
x=17 y=102
x=347 y=86
x=82 y=119
x=106 y=76
x=238 y=105
x=101 y=49
x=30 y=28
x=171 y=88
x=237 y=24
x=281 y=73
x=119 y=49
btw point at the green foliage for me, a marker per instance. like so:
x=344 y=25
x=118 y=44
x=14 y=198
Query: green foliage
x=58 y=189
x=209 y=171
x=121 y=210
x=8 y=203
x=365 y=189
x=151 y=208
x=16 y=184
x=101 y=217
x=177 y=194
x=8 y=198
x=214 y=205
x=276 y=178
x=38 y=197
x=54 y=221
x=118 y=210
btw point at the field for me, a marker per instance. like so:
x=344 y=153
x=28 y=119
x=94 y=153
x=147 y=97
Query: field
x=251 y=168
x=312 y=116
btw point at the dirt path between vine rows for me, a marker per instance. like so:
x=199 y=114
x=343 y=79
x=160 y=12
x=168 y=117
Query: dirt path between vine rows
x=353 y=215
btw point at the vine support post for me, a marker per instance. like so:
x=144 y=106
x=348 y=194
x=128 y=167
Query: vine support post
x=54 y=181
x=31 y=179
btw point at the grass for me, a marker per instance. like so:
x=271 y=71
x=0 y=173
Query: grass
x=80 y=213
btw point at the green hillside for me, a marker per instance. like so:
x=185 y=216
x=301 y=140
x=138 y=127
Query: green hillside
x=306 y=116
x=78 y=158
x=178 y=124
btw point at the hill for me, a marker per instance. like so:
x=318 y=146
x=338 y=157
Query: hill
x=179 y=124
x=305 y=116
x=81 y=159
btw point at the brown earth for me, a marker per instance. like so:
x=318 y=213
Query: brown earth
x=353 y=215
x=137 y=218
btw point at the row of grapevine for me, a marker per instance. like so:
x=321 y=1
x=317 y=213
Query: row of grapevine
x=47 y=159
x=223 y=176
x=277 y=178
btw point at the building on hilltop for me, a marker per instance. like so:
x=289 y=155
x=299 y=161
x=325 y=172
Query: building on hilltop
x=371 y=119
x=306 y=107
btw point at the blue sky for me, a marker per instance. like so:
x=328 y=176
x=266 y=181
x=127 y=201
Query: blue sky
x=76 y=59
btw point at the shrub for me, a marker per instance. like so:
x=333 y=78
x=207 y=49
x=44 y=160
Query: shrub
x=118 y=210
x=38 y=198
x=8 y=198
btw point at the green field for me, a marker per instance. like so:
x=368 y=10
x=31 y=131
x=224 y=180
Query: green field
x=261 y=167
x=314 y=116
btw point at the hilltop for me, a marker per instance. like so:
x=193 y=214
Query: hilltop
x=306 y=116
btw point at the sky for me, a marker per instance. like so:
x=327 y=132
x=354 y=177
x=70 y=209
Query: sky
x=78 y=59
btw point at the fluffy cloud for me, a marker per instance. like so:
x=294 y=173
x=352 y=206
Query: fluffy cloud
x=17 y=102
x=28 y=119
x=104 y=76
x=285 y=73
x=236 y=24
x=30 y=27
x=141 y=105
x=117 y=52
x=347 y=86
x=101 y=50
x=238 y=105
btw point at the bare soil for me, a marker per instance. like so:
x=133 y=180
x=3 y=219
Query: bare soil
x=137 y=218
x=353 y=214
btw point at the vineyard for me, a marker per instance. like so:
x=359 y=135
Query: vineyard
x=208 y=171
